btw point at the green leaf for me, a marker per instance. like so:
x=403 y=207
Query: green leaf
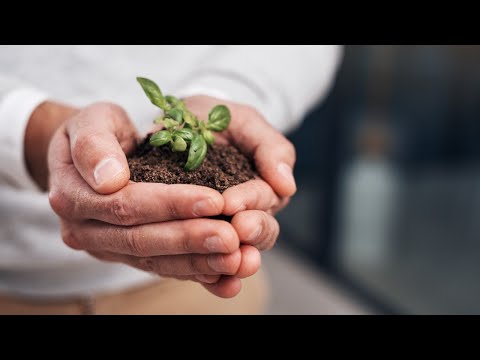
x=219 y=118
x=175 y=102
x=153 y=92
x=189 y=118
x=179 y=144
x=160 y=138
x=172 y=100
x=169 y=123
x=208 y=136
x=186 y=134
x=197 y=153
x=176 y=114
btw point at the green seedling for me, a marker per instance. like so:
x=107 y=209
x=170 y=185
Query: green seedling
x=182 y=129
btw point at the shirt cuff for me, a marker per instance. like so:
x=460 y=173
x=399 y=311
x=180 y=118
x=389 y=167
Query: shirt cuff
x=235 y=88
x=15 y=110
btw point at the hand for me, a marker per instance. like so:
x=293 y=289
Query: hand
x=254 y=202
x=154 y=227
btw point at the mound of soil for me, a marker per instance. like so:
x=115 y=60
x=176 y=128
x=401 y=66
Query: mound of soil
x=223 y=167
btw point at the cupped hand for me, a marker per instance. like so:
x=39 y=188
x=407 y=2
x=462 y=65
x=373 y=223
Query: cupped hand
x=274 y=157
x=154 y=227
x=253 y=203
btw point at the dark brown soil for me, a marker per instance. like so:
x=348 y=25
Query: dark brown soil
x=223 y=167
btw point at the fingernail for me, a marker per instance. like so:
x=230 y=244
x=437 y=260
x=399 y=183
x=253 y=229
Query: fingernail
x=107 y=169
x=286 y=172
x=216 y=262
x=214 y=244
x=204 y=207
x=254 y=235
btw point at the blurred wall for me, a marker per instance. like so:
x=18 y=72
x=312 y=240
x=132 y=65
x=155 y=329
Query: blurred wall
x=388 y=198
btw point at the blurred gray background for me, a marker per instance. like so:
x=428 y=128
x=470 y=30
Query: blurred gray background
x=385 y=219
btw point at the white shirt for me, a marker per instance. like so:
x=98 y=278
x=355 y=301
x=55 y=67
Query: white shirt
x=282 y=82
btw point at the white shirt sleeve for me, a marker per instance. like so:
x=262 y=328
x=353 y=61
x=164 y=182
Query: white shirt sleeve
x=282 y=82
x=17 y=103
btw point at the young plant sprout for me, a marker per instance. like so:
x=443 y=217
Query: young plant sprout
x=182 y=128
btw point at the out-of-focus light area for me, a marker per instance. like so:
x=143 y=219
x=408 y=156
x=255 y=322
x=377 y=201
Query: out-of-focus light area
x=388 y=202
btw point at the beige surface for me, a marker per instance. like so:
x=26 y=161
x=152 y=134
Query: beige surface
x=164 y=297
x=297 y=288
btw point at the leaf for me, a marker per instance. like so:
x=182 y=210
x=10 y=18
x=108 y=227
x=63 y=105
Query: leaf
x=197 y=153
x=189 y=118
x=169 y=123
x=176 y=114
x=186 y=134
x=208 y=136
x=219 y=118
x=179 y=144
x=172 y=100
x=175 y=102
x=153 y=92
x=160 y=138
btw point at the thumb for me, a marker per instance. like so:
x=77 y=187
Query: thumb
x=99 y=137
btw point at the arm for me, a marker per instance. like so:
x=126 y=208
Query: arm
x=17 y=103
x=44 y=121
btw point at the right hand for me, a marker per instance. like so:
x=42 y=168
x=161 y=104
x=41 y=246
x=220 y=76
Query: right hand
x=153 y=227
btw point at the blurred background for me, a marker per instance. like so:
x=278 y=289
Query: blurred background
x=385 y=218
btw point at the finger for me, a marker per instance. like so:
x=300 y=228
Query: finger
x=136 y=203
x=227 y=287
x=110 y=257
x=185 y=265
x=251 y=261
x=275 y=209
x=251 y=195
x=274 y=154
x=194 y=236
x=207 y=279
x=99 y=137
x=256 y=228
x=283 y=203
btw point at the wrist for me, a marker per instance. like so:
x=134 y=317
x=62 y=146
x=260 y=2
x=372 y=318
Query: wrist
x=44 y=121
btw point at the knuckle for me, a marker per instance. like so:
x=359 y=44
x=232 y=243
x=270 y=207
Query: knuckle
x=147 y=264
x=133 y=242
x=172 y=209
x=69 y=239
x=186 y=244
x=194 y=264
x=229 y=236
x=57 y=201
x=82 y=144
x=272 y=231
x=121 y=211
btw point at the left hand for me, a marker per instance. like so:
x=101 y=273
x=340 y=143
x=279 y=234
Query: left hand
x=254 y=202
